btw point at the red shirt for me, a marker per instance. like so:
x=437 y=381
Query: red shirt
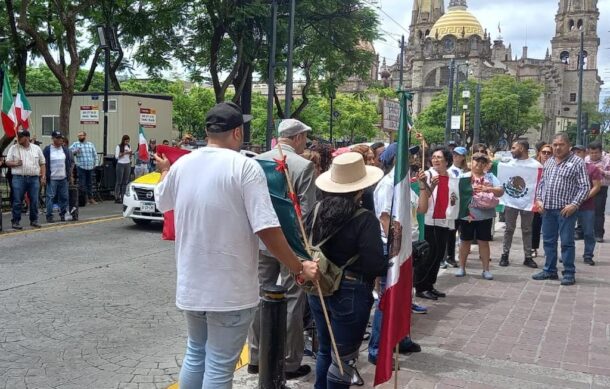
x=594 y=174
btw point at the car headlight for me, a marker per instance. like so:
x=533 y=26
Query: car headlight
x=128 y=191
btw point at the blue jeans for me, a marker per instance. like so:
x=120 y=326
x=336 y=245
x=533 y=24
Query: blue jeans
x=21 y=186
x=349 y=309
x=215 y=340
x=376 y=327
x=59 y=188
x=586 y=219
x=85 y=183
x=555 y=227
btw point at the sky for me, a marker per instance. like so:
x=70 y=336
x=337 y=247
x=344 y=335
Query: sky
x=521 y=21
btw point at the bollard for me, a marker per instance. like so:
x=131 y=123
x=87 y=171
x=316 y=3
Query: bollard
x=272 y=338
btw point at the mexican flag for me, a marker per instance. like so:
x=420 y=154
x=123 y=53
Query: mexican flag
x=9 y=119
x=396 y=301
x=23 y=109
x=520 y=179
x=143 y=147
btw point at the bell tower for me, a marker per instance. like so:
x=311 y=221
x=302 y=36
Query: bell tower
x=574 y=17
x=425 y=13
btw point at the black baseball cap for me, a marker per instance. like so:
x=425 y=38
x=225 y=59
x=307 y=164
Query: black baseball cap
x=23 y=133
x=225 y=116
x=578 y=147
x=56 y=134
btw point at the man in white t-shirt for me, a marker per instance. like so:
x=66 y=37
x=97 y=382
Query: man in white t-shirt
x=59 y=169
x=221 y=208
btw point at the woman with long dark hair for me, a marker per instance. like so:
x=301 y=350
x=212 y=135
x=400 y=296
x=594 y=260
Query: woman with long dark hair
x=545 y=152
x=350 y=237
x=123 y=168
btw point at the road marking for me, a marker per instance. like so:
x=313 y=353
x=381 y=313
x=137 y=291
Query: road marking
x=60 y=226
x=244 y=359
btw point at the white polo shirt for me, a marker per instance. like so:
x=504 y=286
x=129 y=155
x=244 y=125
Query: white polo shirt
x=220 y=200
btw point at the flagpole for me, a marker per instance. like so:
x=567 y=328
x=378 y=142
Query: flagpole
x=396 y=365
x=308 y=248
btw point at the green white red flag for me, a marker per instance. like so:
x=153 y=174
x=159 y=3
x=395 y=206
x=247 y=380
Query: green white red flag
x=396 y=301
x=23 y=109
x=9 y=119
x=142 y=146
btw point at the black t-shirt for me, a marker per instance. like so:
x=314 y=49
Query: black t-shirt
x=361 y=235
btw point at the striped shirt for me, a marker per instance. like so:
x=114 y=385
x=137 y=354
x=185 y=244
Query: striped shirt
x=604 y=165
x=31 y=158
x=85 y=154
x=563 y=183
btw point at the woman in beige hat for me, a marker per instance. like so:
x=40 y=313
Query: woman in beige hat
x=351 y=237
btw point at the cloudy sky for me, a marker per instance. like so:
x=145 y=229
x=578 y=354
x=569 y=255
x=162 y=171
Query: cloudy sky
x=520 y=20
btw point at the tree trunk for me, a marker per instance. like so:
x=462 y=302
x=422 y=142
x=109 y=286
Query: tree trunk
x=64 y=110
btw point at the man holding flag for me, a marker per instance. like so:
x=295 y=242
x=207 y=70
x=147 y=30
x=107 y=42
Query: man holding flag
x=519 y=177
x=396 y=322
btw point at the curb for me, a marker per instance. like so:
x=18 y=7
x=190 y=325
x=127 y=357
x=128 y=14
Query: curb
x=59 y=225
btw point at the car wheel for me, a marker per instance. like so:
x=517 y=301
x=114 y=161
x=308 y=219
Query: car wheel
x=141 y=222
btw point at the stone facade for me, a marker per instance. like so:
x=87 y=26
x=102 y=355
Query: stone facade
x=437 y=37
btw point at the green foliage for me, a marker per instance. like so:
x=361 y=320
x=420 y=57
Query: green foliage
x=41 y=79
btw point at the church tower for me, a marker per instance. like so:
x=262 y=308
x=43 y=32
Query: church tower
x=425 y=14
x=574 y=17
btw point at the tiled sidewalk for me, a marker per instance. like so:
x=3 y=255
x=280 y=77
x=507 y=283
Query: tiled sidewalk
x=512 y=332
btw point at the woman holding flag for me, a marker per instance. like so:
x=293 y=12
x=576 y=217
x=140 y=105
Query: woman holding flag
x=123 y=155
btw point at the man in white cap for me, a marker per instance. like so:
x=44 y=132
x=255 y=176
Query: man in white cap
x=292 y=139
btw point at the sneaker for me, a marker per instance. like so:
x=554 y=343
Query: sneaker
x=302 y=371
x=16 y=226
x=545 y=276
x=460 y=272
x=50 y=219
x=252 y=369
x=35 y=224
x=589 y=261
x=411 y=348
x=451 y=262
x=568 y=280
x=487 y=275
x=599 y=239
x=504 y=260
x=530 y=263
x=418 y=309
x=62 y=218
x=444 y=265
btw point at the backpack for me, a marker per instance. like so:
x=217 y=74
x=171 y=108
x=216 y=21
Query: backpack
x=330 y=274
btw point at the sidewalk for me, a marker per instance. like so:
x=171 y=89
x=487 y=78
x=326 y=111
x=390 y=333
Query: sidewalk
x=101 y=210
x=512 y=332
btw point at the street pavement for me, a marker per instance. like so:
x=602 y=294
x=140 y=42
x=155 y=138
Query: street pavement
x=91 y=305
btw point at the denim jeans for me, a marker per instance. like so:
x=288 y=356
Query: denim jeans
x=586 y=219
x=21 y=186
x=85 y=183
x=555 y=227
x=376 y=327
x=349 y=309
x=215 y=340
x=59 y=188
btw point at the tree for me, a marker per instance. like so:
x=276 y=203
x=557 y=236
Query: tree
x=64 y=19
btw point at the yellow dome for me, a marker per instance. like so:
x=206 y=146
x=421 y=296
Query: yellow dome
x=456 y=21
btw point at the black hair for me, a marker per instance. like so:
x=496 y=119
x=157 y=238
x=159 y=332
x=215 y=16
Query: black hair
x=448 y=155
x=595 y=146
x=539 y=145
x=123 y=143
x=524 y=143
x=335 y=210
x=479 y=146
x=377 y=145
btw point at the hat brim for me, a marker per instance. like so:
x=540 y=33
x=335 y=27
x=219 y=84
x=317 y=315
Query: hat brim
x=247 y=118
x=373 y=176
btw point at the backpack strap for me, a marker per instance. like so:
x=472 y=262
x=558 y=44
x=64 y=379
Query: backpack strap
x=358 y=212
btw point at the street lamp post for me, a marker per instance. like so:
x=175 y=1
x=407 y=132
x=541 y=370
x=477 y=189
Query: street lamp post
x=449 y=102
x=102 y=33
x=581 y=65
x=271 y=78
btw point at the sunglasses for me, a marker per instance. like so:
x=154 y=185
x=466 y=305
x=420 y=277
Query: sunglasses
x=547 y=152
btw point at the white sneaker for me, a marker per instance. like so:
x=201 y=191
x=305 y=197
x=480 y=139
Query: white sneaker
x=460 y=272
x=487 y=275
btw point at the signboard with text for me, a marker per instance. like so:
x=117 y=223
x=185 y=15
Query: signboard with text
x=148 y=117
x=89 y=114
x=391 y=115
x=456 y=122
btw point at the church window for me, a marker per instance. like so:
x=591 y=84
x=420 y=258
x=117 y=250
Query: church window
x=572 y=97
x=564 y=57
x=419 y=34
x=570 y=25
x=579 y=24
x=431 y=79
x=444 y=76
x=584 y=60
x=427 y=32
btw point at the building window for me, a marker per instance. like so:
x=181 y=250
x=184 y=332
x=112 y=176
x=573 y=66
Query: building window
x=570 y=25
x=564 y=57
x=112 y=105
x=579 y=24
x=50 y=123
x=572 y=97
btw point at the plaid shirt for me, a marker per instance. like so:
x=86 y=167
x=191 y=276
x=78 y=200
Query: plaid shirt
x=563 y=183
x=604 y=165
x=86 y=158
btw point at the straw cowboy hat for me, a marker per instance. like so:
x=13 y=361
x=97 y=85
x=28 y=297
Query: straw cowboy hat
x=348 y=173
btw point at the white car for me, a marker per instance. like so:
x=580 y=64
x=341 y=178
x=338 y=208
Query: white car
x=139 y=200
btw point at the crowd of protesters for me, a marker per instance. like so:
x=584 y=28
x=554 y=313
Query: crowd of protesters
x=346 y=199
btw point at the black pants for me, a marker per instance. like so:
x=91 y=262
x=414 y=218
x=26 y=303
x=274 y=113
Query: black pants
x=600 y=211
x=425 y=275
x=536 y=230
x=451 y=242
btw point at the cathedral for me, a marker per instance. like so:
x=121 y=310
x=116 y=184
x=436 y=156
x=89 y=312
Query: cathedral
x=438 y=36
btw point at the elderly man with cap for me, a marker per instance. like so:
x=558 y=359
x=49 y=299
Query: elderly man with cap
x=27 y=164
x=221 y=207
x=292 y=139
x=59 y=166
